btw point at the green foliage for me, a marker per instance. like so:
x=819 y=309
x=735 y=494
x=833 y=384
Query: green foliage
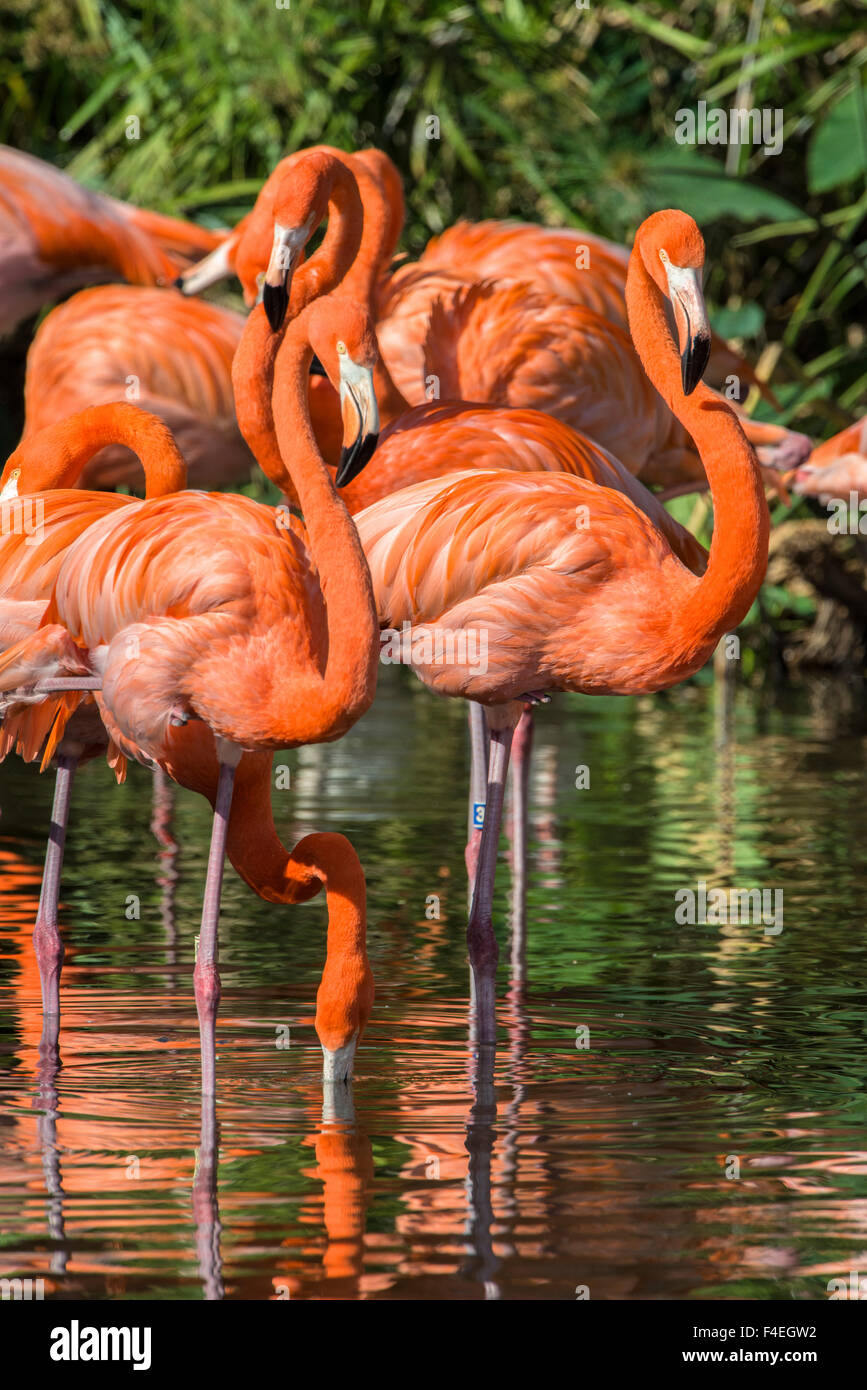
x=547 y=111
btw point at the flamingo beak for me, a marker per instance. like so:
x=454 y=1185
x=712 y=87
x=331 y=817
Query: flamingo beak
x=360 y=419
x=286 y=252
x=693 y=329
x=217 y=265
x=337 y=1063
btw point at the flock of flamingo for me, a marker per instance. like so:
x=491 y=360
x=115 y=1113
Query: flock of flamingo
x=528 y=404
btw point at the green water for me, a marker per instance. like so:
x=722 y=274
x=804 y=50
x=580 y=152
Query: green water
x=708 y=1142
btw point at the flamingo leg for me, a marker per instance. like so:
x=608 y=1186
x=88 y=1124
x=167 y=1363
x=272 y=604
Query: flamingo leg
x=47 y=940
x=522 y=747
x=478 y=775
x=206 y=976
x=481 y=941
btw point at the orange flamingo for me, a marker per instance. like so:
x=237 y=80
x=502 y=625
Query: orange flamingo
x=199 y=607
x=837 y=467
x=53 y=460
x=245 y=251
x=171 y=356
x=565 y=585
x=516 y=341
x=56 y=236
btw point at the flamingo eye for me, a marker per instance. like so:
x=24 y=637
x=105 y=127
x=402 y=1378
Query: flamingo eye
x=15 y=474
x=341 y=347
x=663 y=256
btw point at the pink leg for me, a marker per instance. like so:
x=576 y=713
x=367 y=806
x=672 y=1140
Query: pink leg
x=46 y=936
x=479 y=743
x=206 y=975
x=481 y=941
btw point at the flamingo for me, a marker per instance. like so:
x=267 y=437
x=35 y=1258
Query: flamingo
x=504 y=343
x=56 y=236
x=196 y=607
x=171 y=356
x=174 y=355
x=837 y=467
x=246 y=249
x=551 y=260
x=569 y=583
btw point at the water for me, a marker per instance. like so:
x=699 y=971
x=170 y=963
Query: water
x=709 y=1143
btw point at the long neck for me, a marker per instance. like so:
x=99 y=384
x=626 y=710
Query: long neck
x=57 y=455
x=353 y=629
x=271 y=400
x=378 y=239
x=252 y=383
x=340 y=245
x=282 y=876
x=739 y=549
x=276 y=874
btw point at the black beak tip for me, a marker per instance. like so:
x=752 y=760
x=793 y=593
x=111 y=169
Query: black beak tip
x=275 y=301
x=693 y=363
x=178 y=284
x=355 y=458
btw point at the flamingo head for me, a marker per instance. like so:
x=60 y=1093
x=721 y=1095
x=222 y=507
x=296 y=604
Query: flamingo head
x=9 y=483
x=343 y=340
x=343 y=1004
x=287 y=251
x=672 y=249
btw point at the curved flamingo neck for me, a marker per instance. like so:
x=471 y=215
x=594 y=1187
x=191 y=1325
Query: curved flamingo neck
x=739 y=548
x=341 y=242
x=353 y=629
x=271 y=386
x=252 y=383
x=278 y=875
x=282 y=876
x=357 y=271
x=57 y=455
x=378 y=239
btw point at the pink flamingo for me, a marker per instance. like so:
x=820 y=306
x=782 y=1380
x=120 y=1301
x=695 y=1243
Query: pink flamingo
x=568 y=584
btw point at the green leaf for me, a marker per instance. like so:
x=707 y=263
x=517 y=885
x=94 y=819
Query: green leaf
x=838 y=149
x=699 y=185
x=743 y=322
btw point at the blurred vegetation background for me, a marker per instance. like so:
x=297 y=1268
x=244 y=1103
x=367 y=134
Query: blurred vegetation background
x=555 y=112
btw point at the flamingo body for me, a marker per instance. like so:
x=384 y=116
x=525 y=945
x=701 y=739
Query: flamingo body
x=562 y=581
x=170 y=355
x=56 y=236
